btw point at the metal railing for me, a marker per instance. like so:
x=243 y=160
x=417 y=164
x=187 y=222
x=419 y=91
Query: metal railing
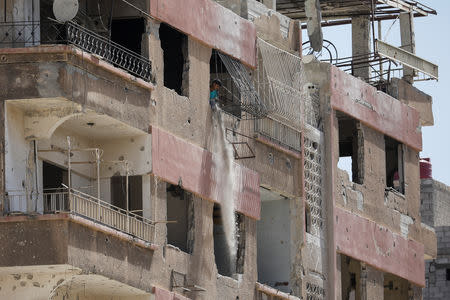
x=26 y=34
x=279 y=133
x=16 y=200
x=85 y=205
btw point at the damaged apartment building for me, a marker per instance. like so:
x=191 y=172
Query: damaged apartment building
x=119 y=180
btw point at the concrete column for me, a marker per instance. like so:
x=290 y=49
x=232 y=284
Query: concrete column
x=372 y=283
x=408 y=42
x=361 y=46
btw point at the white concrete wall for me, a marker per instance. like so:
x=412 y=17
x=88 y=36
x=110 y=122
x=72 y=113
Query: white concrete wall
x=136 y=150
x=273 y=238
x=19 y=162
x=59 y=141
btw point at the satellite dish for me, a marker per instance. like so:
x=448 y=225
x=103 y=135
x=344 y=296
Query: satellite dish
x=65 y=10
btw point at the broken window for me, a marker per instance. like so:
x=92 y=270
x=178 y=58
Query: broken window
x=351 y=147
x=224 y=264
x=176 y=66
x=180 y=210
x=394 y=164
x=119 y=193
x=237 y=94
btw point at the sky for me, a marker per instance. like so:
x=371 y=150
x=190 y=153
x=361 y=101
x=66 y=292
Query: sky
x=432 y=35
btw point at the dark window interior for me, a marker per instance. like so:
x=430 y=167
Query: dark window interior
x=180 y=214
x=307 y=219
x=394 y=164
x=128 y=33
x=53 y=177
x=447 y=274
x=229 y=95
x=351 y=143
x=224 y=264
x=174 y=45
x=118 y=193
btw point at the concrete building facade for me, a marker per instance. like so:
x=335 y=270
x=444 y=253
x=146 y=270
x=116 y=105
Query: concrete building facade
x=120 y=181
x=435 y=209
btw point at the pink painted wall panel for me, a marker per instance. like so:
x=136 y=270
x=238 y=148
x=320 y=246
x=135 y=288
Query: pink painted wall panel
x=162 y=294
x=375 y=109
x=211 y=24
x=176 y=160
x=375 y=245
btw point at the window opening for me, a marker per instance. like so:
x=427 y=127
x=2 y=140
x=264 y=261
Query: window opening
x=447 y=275
x=229 y=96
x=307 y=219
x=237 y=94
x=351 y=148
x=54 y=178
x=180 y=209
x=176 y=67
x=225 y=266
x=394 y=164
x=118 y=193
x=128 y=33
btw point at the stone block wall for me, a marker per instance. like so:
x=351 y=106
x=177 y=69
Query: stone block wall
x=435 y=211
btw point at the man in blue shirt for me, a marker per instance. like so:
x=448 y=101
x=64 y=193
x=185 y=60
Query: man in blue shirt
x=214 y=93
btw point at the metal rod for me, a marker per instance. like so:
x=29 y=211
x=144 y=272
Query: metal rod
x=373 y=23
x=36 y=174
x=381 y=60
x=126 y=196
x=69 y=168
x=97 y=156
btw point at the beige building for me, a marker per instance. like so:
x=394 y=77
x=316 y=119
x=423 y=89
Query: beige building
x=121 y=181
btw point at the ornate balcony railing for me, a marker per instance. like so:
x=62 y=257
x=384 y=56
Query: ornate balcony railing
x=87 y=206
x=26 y=34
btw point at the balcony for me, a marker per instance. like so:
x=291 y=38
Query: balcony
x=30 y=34
x=81 y=204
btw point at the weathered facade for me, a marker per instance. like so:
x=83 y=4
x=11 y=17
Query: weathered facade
x=119 y=180
x=435 y=209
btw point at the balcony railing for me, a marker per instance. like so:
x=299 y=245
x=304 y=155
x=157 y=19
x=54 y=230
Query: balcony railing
x=279 y=133
x=26 y=34
x=79 y=203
